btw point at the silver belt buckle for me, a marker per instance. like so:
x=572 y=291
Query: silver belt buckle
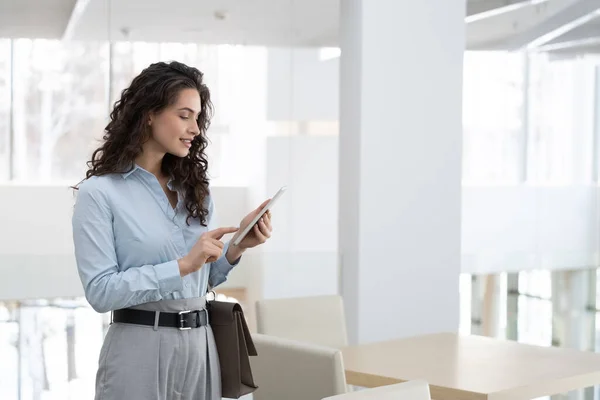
x=181 y=320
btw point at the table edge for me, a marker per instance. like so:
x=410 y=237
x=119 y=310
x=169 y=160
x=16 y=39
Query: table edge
x=437 y=392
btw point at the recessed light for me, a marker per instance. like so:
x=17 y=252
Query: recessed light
x=220 y=15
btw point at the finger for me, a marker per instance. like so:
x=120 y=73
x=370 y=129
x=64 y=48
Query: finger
x=264 y=203
x=217 y=243
x=220 y=232
x=213 y=252
x=261 y=238
x=212 y=249
x=263 y=228
x=268 y=223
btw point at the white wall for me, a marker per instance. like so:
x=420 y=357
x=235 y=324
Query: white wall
x=514 y=228
x=36 y=250
x=307 y=165
x=301 y=258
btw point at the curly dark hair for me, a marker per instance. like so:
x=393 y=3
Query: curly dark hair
x=155 y=88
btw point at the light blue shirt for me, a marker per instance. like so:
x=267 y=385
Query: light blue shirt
x=128 y=239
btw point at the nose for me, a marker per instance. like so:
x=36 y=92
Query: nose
x=195 y=129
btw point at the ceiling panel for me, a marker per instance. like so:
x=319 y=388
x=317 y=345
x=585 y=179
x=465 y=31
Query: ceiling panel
x=251 y=22
x=34 y=18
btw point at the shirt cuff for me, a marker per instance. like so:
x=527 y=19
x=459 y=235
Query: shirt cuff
x=169 y=277
x=221 y=268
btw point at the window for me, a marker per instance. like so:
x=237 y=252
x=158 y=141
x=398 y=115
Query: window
x=596 y=125
x=59 y=107
x=63 y=92
x=130 y=58
x=56 y=342
x=127 y=60
x=493 y=101
x=5 y=94
x=561 y=120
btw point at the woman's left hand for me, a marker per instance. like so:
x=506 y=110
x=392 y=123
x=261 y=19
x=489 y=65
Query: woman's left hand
x=261 y=231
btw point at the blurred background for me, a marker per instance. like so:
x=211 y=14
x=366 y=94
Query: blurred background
x=531 y=161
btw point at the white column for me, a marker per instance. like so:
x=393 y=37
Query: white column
x=400 y=166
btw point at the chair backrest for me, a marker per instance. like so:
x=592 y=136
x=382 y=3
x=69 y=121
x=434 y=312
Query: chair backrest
x=292 y=370
x=318 y=319
x=411 y=390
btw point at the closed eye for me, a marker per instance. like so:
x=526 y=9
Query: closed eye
x=184 y=117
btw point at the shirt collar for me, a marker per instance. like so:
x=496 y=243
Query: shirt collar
x=126 y=175
x=136 y=167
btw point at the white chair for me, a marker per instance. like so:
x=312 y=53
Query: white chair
x=318 y=319
x=292 y=370
x=411 y=390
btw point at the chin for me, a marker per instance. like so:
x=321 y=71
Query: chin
x=179 y=152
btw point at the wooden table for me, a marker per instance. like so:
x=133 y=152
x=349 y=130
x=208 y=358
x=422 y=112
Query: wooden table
x=472 y=367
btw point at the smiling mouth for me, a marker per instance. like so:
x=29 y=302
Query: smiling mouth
x=187 y=142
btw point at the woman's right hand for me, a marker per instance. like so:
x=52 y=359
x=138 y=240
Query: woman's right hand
x=207 y=249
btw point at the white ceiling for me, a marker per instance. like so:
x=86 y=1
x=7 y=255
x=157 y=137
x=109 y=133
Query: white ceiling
x=34 y=18
x=251 y=22
x=568 y=26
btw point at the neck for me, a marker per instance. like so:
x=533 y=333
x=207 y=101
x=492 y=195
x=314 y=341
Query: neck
x=151 y=161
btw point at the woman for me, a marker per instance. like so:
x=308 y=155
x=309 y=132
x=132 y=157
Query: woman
x=144 y=241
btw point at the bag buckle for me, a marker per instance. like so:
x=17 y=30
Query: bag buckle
x=182 y=320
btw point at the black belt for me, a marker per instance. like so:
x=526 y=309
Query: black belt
x=182 y=320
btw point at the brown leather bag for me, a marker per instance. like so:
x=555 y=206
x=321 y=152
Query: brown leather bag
x=234 y=345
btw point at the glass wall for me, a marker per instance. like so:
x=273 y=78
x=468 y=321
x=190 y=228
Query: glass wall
x=530 y=190
x=528 y=118
x=59 y=107
x=561 y=120
x=493 y=117
x=5 y=104
x=51 y=347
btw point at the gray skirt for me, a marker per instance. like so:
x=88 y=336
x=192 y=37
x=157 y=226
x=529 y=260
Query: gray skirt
x=141 y=362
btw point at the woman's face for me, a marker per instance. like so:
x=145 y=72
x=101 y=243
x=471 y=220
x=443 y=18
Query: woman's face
x=174 y=128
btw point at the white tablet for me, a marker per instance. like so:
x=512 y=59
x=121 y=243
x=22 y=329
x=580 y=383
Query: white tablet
x=269 y=205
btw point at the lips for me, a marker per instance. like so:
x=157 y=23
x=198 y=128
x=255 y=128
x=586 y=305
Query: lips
x=187 y=142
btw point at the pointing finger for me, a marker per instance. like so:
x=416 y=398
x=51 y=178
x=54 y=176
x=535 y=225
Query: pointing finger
x=220 y=232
